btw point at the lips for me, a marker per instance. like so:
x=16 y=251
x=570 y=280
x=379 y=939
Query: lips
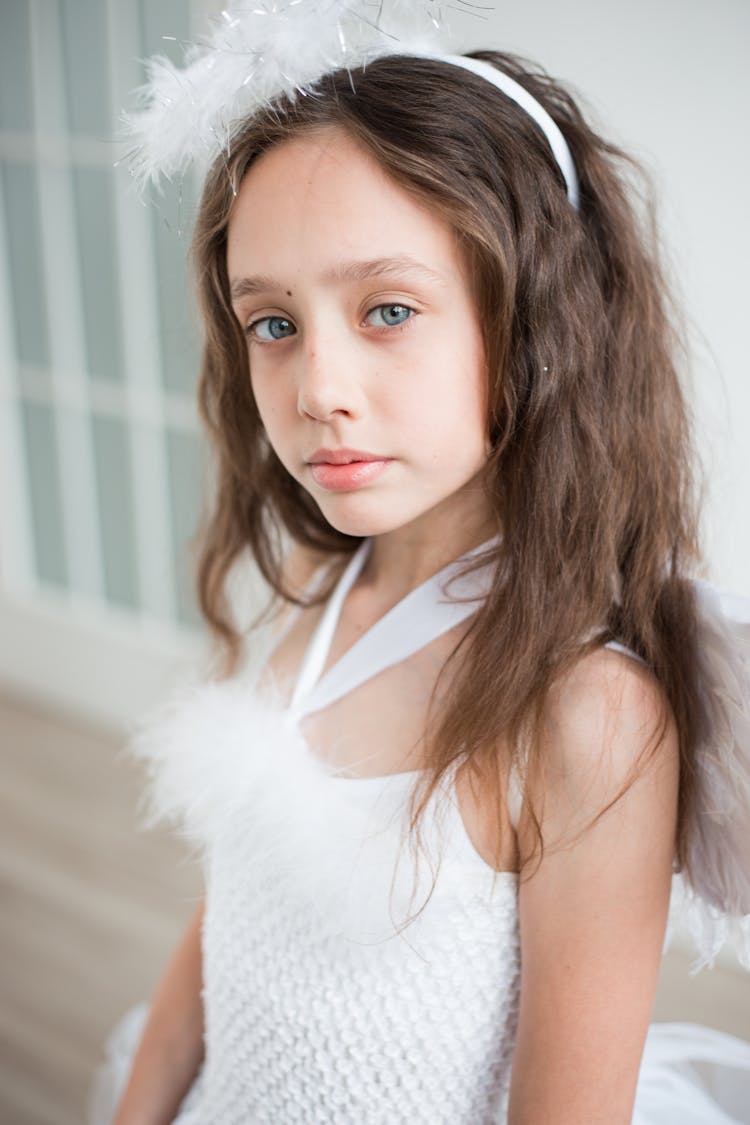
x=342 y=456
x=344 y=470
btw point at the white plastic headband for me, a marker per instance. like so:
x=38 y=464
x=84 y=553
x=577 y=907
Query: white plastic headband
x=527 y=102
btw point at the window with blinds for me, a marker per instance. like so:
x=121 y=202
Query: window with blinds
x=103 y=466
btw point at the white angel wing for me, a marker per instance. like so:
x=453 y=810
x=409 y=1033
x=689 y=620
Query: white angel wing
x=717 y=867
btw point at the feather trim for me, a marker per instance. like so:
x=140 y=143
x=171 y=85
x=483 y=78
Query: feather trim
x=257 y=53
x=717 y=868
x=232 y=770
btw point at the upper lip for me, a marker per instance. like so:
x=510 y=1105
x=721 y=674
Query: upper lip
x=342 y=456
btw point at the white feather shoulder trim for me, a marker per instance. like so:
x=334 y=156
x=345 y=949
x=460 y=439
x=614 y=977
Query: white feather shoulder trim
x=231 y=770
x=205 y=752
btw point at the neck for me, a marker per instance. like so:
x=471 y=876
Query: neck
x=400 y=560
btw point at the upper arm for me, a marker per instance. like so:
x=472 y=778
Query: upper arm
x=593 y=911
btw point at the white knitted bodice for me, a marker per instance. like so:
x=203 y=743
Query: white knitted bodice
x=307 y=1022
x=337 y=988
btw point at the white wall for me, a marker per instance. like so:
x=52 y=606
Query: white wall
x=670 y=81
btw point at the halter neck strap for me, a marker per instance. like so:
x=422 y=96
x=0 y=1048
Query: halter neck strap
x=423 y=615
x=316 y=654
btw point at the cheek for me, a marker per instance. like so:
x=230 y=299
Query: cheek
x=274 y=413
x=452 y=407
x=261 y=396
x=269 y=391
x=476 y=392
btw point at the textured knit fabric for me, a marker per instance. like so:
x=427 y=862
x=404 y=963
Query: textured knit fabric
x=309 y=1020
x=349 y=978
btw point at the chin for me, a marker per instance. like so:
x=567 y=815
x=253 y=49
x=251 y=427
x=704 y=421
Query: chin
x=357 y=515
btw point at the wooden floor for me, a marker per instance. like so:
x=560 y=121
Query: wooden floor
x=91 y=908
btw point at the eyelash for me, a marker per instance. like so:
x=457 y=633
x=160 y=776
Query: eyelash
x=262 y=320
x=393 y=305
x=390 y=328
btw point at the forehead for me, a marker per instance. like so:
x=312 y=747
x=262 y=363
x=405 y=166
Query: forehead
x=321 y=198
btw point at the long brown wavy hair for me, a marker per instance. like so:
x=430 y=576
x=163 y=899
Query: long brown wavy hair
x=590 y=473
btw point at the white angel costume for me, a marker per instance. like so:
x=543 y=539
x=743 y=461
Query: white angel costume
x=336 y=990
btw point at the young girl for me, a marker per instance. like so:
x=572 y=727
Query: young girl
x=440 y=816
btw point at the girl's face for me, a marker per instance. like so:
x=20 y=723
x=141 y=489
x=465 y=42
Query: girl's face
x=365 y=351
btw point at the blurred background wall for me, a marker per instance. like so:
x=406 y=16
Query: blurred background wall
x=102 y=467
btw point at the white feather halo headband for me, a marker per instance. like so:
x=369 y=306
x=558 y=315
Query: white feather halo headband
x=262 y=50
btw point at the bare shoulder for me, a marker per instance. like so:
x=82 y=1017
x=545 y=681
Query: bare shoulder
x=606 y=700
x=604 y=723
x=607 y=731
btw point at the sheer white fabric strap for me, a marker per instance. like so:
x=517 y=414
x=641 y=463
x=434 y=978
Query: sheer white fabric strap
x=314 y=659
x=422 y=616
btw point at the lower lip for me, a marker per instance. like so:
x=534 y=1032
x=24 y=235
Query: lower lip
x=343 y=478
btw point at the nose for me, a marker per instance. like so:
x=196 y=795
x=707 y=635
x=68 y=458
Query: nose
x=327 y=378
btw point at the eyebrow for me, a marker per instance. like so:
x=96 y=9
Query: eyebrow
x=345 y=271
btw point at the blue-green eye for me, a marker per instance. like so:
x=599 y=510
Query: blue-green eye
x=390 y=315
x=270 y=328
